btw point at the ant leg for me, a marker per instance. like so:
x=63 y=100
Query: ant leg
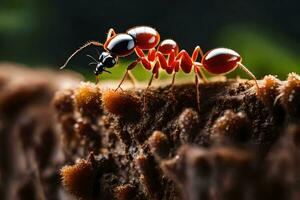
x=197 y=50
x=145 y=62
x=171 y=57
x=173 y=80
x=95 y=43
x=97 y=79
x=123 y=79
x=202 y=75
x=130 y=67
x=250 y=74
x=199 y=71
x=186 y=63
x=111 y=32
x=139 y=52
x=172 y=86
x=197 y=92
x=132 y=78
x=149 y=83
x=151 y=55
x=163 y=62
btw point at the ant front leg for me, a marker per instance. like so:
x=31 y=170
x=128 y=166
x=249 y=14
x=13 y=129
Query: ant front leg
x=196 y=52
x=95 y=43
x=128 y=73
x=197 y=88
x=144 y=62
x=111 y=33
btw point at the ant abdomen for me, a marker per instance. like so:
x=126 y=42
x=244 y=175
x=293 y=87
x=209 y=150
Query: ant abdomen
x=221 y=60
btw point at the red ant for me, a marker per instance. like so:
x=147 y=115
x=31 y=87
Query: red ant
x=137 y=39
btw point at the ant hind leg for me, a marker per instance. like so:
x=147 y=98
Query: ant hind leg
x=202 y=75
x=197 y=92
x=245 y=69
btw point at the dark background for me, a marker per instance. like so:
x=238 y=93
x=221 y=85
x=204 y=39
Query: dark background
x=44 y=32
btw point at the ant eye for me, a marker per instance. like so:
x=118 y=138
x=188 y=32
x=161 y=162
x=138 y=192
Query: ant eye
x=109 y=61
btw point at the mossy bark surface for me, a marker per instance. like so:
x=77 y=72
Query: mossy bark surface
x=241 y=143
x=164 y=147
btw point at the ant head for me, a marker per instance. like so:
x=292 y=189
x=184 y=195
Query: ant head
x=106 y=60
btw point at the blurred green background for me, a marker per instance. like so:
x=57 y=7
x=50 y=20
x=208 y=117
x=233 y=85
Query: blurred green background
x=43 y=33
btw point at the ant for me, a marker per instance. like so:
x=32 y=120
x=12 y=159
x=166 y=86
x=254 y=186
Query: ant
x=165 y=55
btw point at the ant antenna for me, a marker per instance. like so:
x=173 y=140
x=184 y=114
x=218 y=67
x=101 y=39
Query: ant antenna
x=95 y=43
x=93 y=63
x=92 y=58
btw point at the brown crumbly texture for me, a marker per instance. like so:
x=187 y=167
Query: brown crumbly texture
x=31 y=150
x=168 y=149
x=102 y=144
